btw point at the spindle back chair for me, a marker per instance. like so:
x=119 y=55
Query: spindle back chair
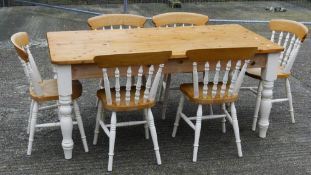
x=175 y=19
x=129 y=97
x=42 y=90
x=115 y=22
x=290 y=35
x=216 y=88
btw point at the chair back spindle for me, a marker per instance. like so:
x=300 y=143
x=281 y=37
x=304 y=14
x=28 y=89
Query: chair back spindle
x=221 y=62
x=129 y=61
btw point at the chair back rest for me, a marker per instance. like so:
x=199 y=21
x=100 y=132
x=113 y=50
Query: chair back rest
x=144 y=61
x=220 y=62
x=174 y=19
x=116 y=21
x=21 y=43
x=291 y=35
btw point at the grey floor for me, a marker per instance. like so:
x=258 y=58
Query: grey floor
x=286 y=150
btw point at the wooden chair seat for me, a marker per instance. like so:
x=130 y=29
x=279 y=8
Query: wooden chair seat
x=50 y=91
x=187 y=90
x=256 y=73
x=122 y=106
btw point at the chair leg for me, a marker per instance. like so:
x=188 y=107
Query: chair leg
x=162 y=87
x=177 y=119
x=236 y=129
x=145 y=112
x=223 y=125
x=112 y=138
x=98 y=117
x=154 y=136
x=197 y=133
x=166 y=95
x=30 y=115
x=290 y=100
x=80 y=125
x=258 y=100
x=211 y=109
x=32 y=126
x=100 y=87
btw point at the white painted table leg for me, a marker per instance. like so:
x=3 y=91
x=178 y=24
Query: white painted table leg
x=268 y=75
x=64 y=81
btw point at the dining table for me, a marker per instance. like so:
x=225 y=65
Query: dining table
x=72 y=54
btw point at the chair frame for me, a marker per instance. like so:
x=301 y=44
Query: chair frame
x=296 y=34
x=21 y=43
x=134 y=101
x=115 y=22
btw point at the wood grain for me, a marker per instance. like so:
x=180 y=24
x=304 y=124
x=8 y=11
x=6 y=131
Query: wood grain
x=80 y=47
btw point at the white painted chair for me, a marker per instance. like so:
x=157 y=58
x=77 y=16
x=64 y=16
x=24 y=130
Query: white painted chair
x=115 y=22
x=289 y=34
x=214 y=90
x=42 y=91
x=128 y=98
x=175 y=19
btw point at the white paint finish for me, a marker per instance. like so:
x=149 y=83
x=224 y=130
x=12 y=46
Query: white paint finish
x=258 y=100
x=280 y=38
x=216 y=77
x=155 y=83
x=117 y=86
x=177 y=118
x=166 y=95
x=128 y=85
x=292 y=56
x=288 y=51
x=32 y=127
x=225 y=79
x=138 y=84
x=64 y=82
x=272 y=36
x=234 y=77
x=205 y=80
x=268 y=75
x=290 y=100
x=107 y=86
x=148 y=83
x=240 y=78
x=197 y=133
x=80 y=125
x=98 y=117
x=112 y=138
x=236 y=130
x=195 y=80
x=154 y=136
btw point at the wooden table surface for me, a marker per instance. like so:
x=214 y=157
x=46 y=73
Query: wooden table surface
x=80 y=47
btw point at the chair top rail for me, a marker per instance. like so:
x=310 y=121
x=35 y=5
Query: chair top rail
x=116 y=19
x=234 y=54
x=179 y=18
x=283 y=25
x=21 y=40
x=132 y=59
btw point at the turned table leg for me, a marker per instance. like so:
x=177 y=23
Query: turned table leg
x=64 y=82
x=268 y=75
